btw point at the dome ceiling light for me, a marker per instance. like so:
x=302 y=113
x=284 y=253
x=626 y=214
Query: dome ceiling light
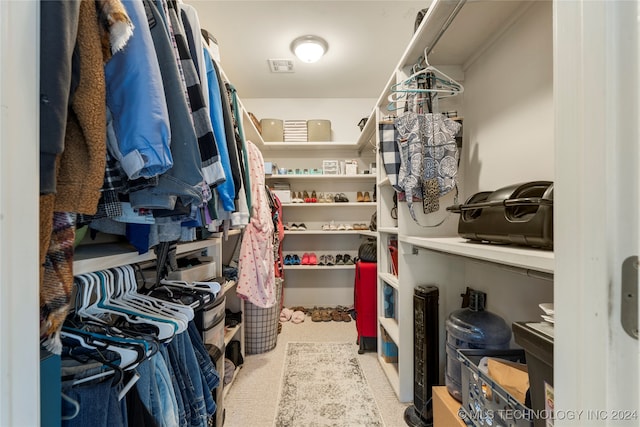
x=309 y=48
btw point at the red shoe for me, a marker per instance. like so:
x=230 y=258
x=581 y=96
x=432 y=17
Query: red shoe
x=305 y=259
x=313 y=260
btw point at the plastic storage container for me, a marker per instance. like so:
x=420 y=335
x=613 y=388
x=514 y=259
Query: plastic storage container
x=539 y=350
x=471 y=328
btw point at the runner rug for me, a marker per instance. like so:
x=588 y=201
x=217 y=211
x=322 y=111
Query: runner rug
x=323 y=385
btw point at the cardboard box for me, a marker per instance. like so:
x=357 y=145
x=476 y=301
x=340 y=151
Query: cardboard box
x=445 y=409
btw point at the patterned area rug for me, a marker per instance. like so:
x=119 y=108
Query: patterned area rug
x=323 y=385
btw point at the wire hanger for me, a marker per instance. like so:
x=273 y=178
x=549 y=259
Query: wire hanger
x=425 y=79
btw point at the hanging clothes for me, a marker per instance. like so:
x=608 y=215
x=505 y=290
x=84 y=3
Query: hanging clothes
x=256 y=276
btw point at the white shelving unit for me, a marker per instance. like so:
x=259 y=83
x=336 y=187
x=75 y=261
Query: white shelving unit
x=315 y=285
x=481 y=45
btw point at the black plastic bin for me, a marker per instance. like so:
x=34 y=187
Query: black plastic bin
x=538 y=348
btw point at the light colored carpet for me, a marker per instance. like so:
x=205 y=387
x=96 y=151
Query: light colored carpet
x=323 y=385
x=252 y=399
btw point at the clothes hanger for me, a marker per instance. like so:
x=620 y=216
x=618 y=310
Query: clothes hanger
x=99 y=308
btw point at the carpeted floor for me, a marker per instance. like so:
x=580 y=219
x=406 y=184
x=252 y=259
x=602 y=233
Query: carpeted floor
x=252 y=399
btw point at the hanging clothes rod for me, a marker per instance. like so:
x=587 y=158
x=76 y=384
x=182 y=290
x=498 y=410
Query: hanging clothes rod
x=457 y=6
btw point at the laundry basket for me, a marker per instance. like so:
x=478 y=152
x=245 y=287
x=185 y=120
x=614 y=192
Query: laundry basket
x=261 y=325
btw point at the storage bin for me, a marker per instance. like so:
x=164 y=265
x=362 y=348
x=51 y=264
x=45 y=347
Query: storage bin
x=318 y=130
x=485 y=402
x=214 y=334
x=272 y=130
x=520 y=214
x=538 y=348
x=261 y=324
x=211 y=313
x=389 y=348
x=195 y=273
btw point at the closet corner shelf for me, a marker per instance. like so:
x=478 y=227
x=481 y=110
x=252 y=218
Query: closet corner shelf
x=321 y=232
x=390 y=280
x=230 y=333
x=330 y=205
x=320 y=267
x=391 y=326
x=388 y=230
x=88 y=258
x=229 y=284
x=384 y=182
x=367 y=233
x=391 y=371
x=341 y=177
x=521 y=257
x=368 y=133
x=227 y=387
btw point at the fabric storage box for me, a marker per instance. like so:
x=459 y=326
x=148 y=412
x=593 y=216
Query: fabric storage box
x=214 y=334
x=485 y=402
x=283 y=195
x=318 y=130
x=521 y=214
x=538 y=348
x=272 y=130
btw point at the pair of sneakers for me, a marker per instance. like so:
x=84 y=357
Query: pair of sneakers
x=309 y=259
x=292 y=260
x=296 y=227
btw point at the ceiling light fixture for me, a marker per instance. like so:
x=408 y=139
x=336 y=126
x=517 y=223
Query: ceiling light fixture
x=309 y=48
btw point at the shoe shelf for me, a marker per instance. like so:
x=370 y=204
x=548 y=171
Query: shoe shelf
x=330 y=204
x=323 y=177
x=320 y=267
x=227 y=387
x=323 y=232
x=367 y=233
x=272 y=146
x=391 y=371
x=390 y=280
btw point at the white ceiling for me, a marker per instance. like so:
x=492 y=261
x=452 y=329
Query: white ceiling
x=366 y=40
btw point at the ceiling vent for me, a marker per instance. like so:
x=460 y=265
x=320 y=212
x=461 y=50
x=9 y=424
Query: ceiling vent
x=281 y=65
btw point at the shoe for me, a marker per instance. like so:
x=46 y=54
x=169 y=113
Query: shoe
x=295 y=259
x=348 y=227
x=302 y=227
x=288 y=260
x=321 y=198
x=305 y=197
x=305 y=259
x=296 y=198
x=293 y=227
x=342 y=227
x=322 y=260
x=336 y=316
x=332 y=226
x=329 y=198
x=330 y=260
x=326 y=227
x=360 y=197
x=366 y=197
x=313 y=260
x=346 y=258
x=339 y=260
x=341 y=198
x=314 y=197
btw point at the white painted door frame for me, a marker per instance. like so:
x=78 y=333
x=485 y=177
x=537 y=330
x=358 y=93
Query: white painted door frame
x=597 y=208
x=19 y=189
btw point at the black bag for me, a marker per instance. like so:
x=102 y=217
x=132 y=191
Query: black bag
x=368 y=251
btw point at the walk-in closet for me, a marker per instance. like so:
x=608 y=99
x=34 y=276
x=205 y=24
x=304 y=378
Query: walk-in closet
x=319 y=213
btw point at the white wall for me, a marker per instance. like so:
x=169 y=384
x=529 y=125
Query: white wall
x=344 y=113
x=508 y=107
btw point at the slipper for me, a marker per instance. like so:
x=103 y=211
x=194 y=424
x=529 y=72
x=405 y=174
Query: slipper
x=326 y=315
x=316 y=315
x=285 y=315
x=336 y=316
x=344 y=314
x=297 y=317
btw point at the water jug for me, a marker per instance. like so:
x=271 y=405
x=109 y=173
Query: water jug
x=471 y=327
